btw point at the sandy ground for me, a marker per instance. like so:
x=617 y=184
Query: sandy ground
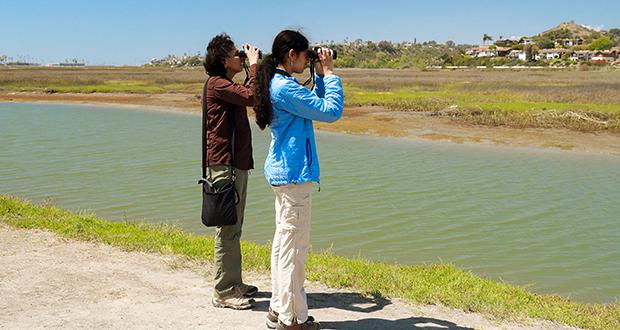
x=368 y=121
x=49 y=282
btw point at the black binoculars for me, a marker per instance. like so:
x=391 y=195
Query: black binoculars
x=313 y=54
x=241 y=53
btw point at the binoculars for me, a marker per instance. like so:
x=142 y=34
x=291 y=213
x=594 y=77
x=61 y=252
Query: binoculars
x=313 y=54
x=241 y=53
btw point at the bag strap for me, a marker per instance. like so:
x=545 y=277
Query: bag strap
x=205 y=158
x=231 y=119
x=205 y=161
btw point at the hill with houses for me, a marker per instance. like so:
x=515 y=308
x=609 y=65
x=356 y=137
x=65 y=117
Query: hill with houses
x=567 y=43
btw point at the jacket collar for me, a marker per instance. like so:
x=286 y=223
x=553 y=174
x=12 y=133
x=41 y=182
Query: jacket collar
x=282 y=72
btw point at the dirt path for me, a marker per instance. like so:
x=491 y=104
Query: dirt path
x=49 y=282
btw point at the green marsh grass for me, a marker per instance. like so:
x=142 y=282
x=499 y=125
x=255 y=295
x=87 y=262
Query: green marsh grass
x=428 y=284
x=500 y=108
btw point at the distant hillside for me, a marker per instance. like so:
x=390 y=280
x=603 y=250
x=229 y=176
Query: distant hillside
x=572 y=30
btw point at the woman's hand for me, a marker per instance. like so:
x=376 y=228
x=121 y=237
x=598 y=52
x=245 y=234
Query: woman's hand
x=252 y=53
x=326 y=62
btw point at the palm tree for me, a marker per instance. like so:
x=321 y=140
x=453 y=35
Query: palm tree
x=486 y=38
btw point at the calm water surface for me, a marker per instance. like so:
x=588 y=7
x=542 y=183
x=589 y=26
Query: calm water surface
x=547 y=219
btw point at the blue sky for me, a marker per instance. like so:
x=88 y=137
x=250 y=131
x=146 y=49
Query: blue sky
x=131 y=32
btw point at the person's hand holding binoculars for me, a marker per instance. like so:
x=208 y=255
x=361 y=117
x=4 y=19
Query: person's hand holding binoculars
x=325 y=65
x=253 y=53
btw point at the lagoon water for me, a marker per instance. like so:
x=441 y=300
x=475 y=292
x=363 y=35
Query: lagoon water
x=549 y=220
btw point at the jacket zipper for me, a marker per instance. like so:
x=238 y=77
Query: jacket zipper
x=309 y=151
x=309 y=156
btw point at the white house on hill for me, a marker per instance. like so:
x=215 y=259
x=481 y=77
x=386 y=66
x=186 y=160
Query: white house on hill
x=550 y=54
x=488 y=51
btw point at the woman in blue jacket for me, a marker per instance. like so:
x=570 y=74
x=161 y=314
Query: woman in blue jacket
x=292 y=164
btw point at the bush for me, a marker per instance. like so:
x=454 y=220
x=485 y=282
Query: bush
x=602 y=43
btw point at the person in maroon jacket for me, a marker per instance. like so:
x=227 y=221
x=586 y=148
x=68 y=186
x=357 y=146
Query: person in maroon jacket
x=227 y=117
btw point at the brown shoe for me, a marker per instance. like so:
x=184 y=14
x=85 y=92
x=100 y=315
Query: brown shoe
x=272 y=319
x=248 y=291
x=236 y=300
x=308 y=325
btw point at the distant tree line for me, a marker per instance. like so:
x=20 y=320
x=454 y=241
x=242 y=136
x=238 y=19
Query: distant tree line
x=175 y=61
x=361 y=54
x=396 y=55
x=403 y=55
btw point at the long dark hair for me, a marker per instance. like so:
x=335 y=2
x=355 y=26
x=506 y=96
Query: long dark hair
x=284 y=41
x=218 y=50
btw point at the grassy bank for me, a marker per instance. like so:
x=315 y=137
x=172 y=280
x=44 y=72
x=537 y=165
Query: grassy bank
x=583 y=101
x=429 y=284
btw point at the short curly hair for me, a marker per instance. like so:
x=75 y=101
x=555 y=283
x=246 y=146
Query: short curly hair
x=218 y=50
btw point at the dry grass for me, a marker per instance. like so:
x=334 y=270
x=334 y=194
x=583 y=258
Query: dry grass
x=584 y=121
x=100 y=74
x=497 y=98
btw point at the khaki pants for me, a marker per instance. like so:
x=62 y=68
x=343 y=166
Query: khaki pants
x=289 y=251
x=227 y=254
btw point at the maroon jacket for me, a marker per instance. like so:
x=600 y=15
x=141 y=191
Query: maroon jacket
x=226 y=101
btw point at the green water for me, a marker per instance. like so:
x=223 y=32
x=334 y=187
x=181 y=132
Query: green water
x=541 y=218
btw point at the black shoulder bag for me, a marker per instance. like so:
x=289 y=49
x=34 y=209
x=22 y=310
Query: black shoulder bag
x=218 y=201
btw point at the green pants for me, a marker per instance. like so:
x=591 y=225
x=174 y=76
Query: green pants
x=227 y=254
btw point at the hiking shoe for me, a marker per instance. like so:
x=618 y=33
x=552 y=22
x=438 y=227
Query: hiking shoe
x=236 y=300
x=272 y=319
x=248 y=291
x=308 y=325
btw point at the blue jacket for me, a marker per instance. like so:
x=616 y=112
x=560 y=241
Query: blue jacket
x=292 y=154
